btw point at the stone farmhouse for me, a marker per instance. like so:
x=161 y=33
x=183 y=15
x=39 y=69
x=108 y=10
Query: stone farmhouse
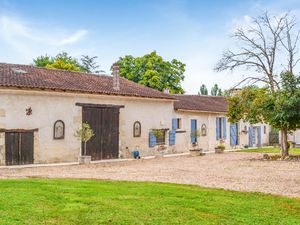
x=40 y=110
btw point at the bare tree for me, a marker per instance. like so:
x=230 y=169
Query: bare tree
x=267 y=44
x=261 y=42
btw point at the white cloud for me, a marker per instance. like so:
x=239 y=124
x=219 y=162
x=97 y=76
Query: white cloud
x=77 y=36
x=28 y=40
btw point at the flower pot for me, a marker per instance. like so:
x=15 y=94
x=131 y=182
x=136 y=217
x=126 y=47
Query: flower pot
x=85 y=159
x=219 y=150
x=196 y=152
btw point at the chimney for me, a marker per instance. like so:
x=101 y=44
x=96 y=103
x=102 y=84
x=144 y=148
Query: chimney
x=116 y=77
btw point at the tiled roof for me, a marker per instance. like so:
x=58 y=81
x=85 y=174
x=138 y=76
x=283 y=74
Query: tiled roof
x=201 y=103
x=27 y=76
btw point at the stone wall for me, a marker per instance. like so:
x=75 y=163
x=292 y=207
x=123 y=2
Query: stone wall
x=48 y=107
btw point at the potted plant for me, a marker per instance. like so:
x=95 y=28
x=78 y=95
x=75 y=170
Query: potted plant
x=195 y=150
x=221 y=147
x=159 y=133
x=84 y=134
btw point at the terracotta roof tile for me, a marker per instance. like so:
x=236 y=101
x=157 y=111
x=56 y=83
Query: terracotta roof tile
x=27 y=76
x=201 y=103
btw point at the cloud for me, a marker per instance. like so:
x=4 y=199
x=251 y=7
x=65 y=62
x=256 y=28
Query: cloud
x=77 y=36
x=28 y=40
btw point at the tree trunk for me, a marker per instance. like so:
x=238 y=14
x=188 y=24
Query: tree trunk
x=284 y=143
x=85 y=148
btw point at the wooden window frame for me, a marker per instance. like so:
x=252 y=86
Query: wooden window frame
x=203 y=128
x=63 y=135
x=161 y=140
x=140 y=129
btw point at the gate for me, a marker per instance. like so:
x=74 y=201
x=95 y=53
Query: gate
x=18 y=148
x=105 y=123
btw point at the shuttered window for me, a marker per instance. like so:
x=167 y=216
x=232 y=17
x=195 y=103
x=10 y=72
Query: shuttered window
x=221 y=128
x=172 y=135
x=193 y=131
x=176 y=123
x=152 y=139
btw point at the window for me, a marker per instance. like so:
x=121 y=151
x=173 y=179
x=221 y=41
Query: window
x=203 y=130
x=160 y=135
x=194 y=131
x=265 y=129
x=221 y=127
x=176 y=123
x=136 y=129
x=59 y=130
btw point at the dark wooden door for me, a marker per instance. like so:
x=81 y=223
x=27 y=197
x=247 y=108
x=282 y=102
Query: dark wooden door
x=18 y=148
x=105 y=124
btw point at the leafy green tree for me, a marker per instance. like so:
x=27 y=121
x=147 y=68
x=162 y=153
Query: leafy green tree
x=89 y=65
x=154 y=72
x=43 y=61
x=260 y=44
x=203 y=90
x=280 y=109
x=216 y=91
x=66 y=62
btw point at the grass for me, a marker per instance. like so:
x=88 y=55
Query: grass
x=47 y=201
x=292 y=151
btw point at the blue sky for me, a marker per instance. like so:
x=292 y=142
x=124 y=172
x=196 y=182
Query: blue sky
x=195 y=32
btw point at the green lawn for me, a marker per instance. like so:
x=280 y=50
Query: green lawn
x=42 y=201
x=293 y=151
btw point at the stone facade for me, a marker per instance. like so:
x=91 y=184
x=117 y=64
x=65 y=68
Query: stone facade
x=48 y=107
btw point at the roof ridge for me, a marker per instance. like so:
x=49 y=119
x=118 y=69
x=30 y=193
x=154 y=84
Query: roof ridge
x=195 y=95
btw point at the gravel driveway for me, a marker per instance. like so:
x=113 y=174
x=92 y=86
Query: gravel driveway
x=234 y=171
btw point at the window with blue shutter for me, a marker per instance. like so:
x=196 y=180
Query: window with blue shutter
x=152 y=139
x=193 y=130
x=259 y=136
x=174 y=123
x=224 y=127
x=251 y=136
x=172 y=136
x=218 y=136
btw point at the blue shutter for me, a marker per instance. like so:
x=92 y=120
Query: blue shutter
x=250 y=136
x=224 y=127
x=193 y=130
x=172 y=136
x=152 y=139
x=217 y=129
x=174 y=124
x=259 y=136
x=233 y=134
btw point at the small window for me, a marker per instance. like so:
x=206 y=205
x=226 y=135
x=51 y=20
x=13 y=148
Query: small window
x=203 y=130
x=137 y=129
x=176 y=123
x=160 y=135
x=59 y=130
x=265 y=129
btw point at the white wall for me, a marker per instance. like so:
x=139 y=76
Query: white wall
x=209 y=142
x=47 y=107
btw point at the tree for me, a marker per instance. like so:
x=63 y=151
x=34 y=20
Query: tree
x=153 y=71
x=216 y=91
x=89 y=64
x=84 y=134
x=276 y=103
x=203 y=90
x=66 y=62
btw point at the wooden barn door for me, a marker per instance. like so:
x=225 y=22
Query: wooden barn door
x=105 y=123
x=18 y=148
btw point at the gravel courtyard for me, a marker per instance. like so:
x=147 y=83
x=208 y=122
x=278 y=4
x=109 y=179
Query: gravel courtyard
x=234 y=171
